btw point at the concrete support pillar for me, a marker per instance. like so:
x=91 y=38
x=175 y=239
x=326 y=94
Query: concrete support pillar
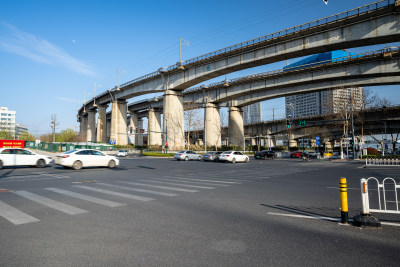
x=119 y=125
x=292 y=142
x=154 y=128
x=235 y=128
x=108 y=126
x=173 y=126
x=212 y=125
x=133 y=123
x=139 y=135
x=102 y=124
x=253 y=142
x=91 y=128
x=83 y=127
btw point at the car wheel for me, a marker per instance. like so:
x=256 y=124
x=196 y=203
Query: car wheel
x=77 y=165
x=186 y=158
x=233 y=160
x=246 y=160
x=199 y=158
x=1 y=164
x=112 y=164
x=40 y=163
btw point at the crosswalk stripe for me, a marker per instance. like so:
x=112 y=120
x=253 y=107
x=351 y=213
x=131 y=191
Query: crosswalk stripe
x=51 y=203
x=139 y=190
x=161 y=187
x=114 y=193
x=100 y=201
x=184 y=185
x=14 y=215
x=209 y=181
x=172 y=178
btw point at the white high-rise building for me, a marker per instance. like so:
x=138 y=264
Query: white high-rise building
x=7 y=120
x=252 y=113
x=325 y=102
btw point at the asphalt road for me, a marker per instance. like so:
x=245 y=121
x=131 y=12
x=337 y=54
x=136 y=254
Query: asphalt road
x=161 y=212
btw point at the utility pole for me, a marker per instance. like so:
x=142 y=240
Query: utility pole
x=53 y=125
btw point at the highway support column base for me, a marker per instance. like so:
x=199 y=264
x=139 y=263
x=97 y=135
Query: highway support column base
x=366 y=220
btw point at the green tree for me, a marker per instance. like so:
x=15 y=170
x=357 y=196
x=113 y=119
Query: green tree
x=27 y=136
x=68 y=135
x=6 y=135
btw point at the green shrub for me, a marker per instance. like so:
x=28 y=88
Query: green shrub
x=157 y=154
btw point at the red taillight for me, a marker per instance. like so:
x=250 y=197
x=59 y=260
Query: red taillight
x=180 y=154
x=65 y=156
x=227 y=155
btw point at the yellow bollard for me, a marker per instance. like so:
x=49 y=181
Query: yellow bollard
x=343 y=200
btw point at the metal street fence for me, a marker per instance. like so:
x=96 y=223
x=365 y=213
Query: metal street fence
x=382 y=162
x=379 y=197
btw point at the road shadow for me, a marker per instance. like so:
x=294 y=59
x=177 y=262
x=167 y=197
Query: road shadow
x=310 y=211
x=330 y=212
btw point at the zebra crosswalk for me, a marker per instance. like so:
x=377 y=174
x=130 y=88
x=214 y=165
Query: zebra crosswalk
x=97 y=192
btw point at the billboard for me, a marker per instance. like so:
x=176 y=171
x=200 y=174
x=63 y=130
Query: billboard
x=12 y=143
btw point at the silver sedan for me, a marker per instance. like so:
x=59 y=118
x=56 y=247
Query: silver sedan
x=187 y=155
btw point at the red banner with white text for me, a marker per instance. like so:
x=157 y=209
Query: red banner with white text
x=12 y=143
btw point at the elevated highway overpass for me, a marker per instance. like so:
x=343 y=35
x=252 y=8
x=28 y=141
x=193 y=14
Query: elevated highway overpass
x=371 y=24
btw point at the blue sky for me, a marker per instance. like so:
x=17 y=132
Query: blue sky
x=53 y=52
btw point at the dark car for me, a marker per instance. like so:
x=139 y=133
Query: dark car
x=211 y=156
x=264 y=154
x=296 y=154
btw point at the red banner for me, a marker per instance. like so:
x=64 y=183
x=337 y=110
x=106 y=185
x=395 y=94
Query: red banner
x=12 y=143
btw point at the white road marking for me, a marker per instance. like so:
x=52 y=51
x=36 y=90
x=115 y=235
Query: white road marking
x=184 y=185
x=14 y=215
x=96 y=200
x=172 y=178
x=33 y=177
x=323 y=218
x=162 y=187
x=208 y=181
x=305 y=216
x=114 y=193
x=51 y=203
x=139 y=190
x=349 y=188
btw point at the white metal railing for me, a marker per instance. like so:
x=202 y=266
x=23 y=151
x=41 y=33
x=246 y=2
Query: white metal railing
x=382 y=192
x=382 y=162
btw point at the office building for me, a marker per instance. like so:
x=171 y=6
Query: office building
x=7 y=120
x=324 y=102
x=252 y=113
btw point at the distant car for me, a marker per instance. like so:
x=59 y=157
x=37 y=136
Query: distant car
x=22 y=157
x=296 y=154
x=328 y=154
x=233 y=156
x=187 y=155
x=312 y=154
x=123 y=153
x=80 y=158
x=212 y=156
x=264 y=154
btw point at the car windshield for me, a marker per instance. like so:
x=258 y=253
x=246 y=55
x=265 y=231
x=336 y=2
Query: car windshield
x=71 y=151
x=181 y=151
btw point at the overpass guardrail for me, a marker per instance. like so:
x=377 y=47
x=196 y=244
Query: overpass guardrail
x=251 y=43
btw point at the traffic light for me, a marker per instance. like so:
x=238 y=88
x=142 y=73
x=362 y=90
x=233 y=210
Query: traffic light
x=287 y=123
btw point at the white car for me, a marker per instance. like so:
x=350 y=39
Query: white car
x=233 y=156
x=79 y=158
x=123 y=153
x=22 y=157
